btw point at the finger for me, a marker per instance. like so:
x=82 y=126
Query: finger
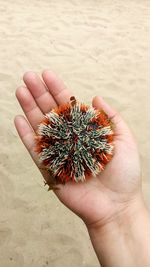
x=29 y=106
x=42 y=97
x=120 y=125
x=27 y=135
x=56 y=87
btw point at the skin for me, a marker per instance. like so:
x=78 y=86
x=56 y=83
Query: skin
x=111 y=204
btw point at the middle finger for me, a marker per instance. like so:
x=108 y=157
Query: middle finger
x=42 y=97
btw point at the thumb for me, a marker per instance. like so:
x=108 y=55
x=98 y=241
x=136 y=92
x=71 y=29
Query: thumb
x=120 y=126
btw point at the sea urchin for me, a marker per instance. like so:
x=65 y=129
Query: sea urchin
x=74 y=141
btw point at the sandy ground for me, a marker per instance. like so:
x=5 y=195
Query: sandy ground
x=97 y=47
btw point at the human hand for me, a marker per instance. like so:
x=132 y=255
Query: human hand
x=101 y=198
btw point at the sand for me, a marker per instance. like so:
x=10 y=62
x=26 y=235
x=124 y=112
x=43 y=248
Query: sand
x=99 y=48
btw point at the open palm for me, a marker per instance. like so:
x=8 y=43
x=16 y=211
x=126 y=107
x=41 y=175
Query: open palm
x=100 y=198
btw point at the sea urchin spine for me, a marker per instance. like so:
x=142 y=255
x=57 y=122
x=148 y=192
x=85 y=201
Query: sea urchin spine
x=74 y=141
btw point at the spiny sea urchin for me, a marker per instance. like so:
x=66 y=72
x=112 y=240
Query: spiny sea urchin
x=74 y=141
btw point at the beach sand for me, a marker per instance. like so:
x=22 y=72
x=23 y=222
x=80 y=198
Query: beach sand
x=98 y=48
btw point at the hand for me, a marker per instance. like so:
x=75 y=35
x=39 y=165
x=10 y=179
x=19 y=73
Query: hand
x=101 y=198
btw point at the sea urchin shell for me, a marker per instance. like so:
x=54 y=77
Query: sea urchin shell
x=74 y=141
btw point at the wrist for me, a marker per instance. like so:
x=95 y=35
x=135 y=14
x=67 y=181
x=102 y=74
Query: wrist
x=125 y=216
x=124 y=237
